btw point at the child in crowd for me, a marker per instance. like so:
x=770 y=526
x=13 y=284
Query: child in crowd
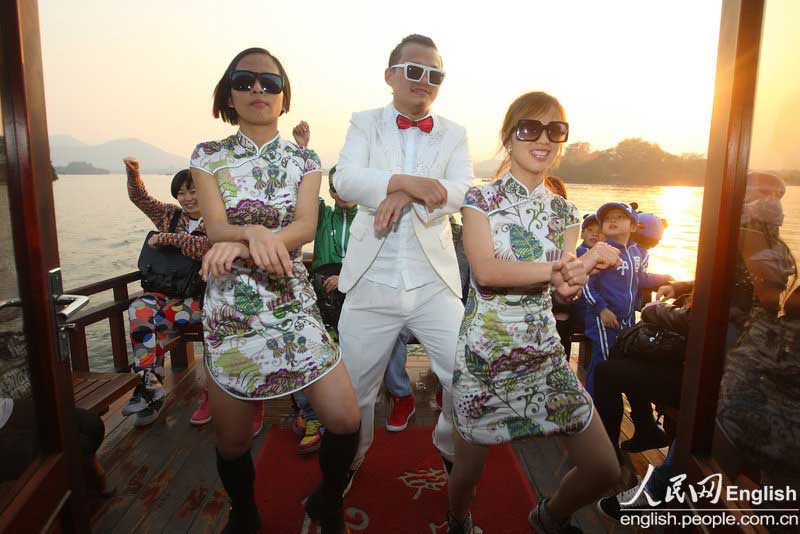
x=612 y=296
x=330 y=245
x=649 y=231
x=590 y=233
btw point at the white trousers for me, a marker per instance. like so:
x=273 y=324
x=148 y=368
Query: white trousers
x=372 y=317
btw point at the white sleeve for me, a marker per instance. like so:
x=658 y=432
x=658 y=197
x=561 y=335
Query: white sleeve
x=354 y=180
x=457 y=179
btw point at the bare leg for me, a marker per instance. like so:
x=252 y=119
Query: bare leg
x=467 y=471
x=596 y=470
x=334 y=401
x=232 y=422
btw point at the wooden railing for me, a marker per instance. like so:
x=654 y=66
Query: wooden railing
x=114 y=311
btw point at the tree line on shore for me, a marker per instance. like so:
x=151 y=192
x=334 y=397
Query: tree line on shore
x=633 y=161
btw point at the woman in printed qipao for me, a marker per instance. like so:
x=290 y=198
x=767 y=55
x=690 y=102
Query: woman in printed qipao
x=263 y=332
x=511 y=378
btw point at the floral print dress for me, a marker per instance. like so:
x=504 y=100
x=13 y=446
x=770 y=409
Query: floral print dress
x=511 y=379
x=263 y=333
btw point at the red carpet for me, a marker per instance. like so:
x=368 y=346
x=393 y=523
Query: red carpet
x=401 y=488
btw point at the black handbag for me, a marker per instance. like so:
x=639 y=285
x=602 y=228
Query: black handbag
x=645 y=341
x=165 y=269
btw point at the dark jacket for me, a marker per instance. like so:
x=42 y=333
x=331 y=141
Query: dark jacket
x=669 y=317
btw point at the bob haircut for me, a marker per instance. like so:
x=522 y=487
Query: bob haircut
x=182 y=177
x=222 y=92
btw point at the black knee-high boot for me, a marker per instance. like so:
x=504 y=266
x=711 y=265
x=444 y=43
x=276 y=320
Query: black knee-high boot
x=325 y=504
x=238 y=477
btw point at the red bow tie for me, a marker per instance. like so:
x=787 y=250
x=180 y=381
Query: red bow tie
x=426 y=124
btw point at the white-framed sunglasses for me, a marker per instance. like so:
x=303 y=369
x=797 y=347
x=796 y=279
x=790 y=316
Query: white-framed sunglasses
x=415 y=72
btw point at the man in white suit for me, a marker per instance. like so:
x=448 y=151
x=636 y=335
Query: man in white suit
x=407 y=170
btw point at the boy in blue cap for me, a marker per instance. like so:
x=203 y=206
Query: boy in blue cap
x=590 y=233
x=612 y=295
x=570 y=318
x=649 y=231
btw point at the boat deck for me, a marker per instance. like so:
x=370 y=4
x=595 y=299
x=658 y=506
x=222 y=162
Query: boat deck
x=165 y=474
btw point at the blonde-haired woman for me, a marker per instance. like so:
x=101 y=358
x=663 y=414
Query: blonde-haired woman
x=511 y=380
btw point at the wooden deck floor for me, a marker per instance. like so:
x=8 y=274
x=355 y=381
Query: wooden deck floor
x=165 y=475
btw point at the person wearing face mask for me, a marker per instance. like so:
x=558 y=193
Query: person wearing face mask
x=511 y=379
x=407 y=169
x=155 y=317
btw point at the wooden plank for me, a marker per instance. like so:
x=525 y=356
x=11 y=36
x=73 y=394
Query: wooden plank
x=93 y=385
x=196 y=484
x=81 y=385
x=104 y=389
x=141 y=469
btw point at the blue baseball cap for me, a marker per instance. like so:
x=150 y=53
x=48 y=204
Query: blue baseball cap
x=588 y=219
x=651 y=226
x=602 y=210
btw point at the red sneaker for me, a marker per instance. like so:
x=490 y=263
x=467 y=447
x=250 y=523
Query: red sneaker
x=202 y=414
x=258 y=417
x=402 y=410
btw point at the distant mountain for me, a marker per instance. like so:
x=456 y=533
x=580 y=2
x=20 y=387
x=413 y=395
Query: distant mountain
x=64 y=140
x=65 y=149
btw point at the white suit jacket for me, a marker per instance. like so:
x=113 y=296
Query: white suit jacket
x=371 y=154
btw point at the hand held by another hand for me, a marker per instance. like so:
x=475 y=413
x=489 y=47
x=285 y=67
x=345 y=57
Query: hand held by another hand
x=267 y=251
x=220 y=257
x=604 y=256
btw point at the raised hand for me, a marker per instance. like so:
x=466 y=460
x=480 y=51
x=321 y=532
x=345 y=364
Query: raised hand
x=390 y=210
x=220 y=257
x=267 y=251
x=427 y=190
x=131 y=164
x=302 y=134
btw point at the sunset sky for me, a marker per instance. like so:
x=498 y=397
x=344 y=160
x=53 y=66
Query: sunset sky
x=147 y=69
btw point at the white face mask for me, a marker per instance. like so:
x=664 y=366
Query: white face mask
x=766 y=210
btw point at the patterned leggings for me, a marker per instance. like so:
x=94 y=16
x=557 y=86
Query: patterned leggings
x=155 y=319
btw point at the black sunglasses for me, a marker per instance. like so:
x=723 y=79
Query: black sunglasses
x=244 y=80
x=531 y=130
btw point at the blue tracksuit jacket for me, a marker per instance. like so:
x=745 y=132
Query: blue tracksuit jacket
x=618 y=290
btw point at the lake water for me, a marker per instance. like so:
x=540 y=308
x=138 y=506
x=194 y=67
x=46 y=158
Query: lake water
x=101 y=232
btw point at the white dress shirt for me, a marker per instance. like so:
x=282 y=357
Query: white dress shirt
x=401 y=261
